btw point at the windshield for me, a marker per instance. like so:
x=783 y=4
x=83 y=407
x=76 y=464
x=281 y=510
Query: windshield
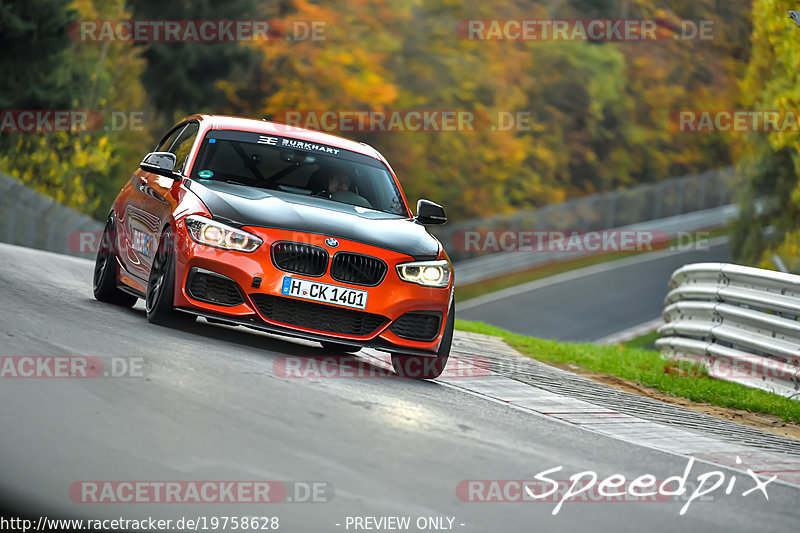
x=298 y=167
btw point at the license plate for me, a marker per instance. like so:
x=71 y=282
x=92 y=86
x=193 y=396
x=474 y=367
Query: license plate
x=322 y=292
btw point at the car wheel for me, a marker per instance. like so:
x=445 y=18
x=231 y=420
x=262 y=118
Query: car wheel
x=337 y=347
x=105 y=271
x=420 y=367
x=161 y=287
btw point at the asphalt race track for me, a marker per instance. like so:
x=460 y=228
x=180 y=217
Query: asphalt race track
x=593 y=302
x=211 y=407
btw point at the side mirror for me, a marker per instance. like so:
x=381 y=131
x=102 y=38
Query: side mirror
x=161 y=163
x=430 y=213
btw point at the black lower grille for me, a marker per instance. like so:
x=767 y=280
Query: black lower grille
x=316 y=316
x=417 y=326
x=357 y=269
x=214 y=288
x=300 y=258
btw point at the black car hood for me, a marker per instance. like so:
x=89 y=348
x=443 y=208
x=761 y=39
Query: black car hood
x=250 y=206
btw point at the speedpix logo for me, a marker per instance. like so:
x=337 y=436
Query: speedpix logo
x=589 y=487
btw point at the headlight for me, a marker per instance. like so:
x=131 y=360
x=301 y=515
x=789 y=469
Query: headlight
x=212 y=233
x=427 y=273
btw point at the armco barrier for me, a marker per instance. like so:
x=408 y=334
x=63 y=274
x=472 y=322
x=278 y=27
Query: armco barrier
x=684 y=204
x=499 y=264
x=663 y=199
x=740 y=322
x=29 y=218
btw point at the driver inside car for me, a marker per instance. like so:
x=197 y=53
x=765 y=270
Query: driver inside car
x=339 y=182
x=340 y=187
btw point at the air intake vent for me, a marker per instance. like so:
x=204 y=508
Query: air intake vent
x=210 y=287
x=358 y=269
x=417 y=326
x=300 y=258
x=319 y=317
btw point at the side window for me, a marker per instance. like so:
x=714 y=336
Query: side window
x=167 y=141
x=183 y=144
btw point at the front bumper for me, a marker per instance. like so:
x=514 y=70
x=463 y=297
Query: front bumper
x=257 y=278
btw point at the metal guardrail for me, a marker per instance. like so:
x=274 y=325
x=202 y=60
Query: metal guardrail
x=690 y=203
x=29 y=218
x=740 y=322
x=601 y=211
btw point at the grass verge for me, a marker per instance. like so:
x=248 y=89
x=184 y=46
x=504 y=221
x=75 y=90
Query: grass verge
x=645 y=342
x=646 y=367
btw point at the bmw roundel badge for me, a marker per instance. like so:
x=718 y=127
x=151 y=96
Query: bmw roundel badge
x=330 y=241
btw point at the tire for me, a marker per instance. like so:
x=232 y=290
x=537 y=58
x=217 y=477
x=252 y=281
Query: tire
x=420 y=367
x=161 y=287
x=104 y=281
x=336 y=347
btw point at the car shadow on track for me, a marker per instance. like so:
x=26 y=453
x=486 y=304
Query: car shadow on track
x=293 y=358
